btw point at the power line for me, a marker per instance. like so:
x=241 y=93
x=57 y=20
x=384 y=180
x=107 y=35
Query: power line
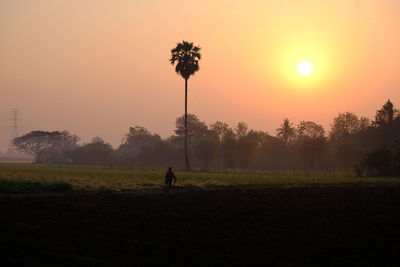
x=15 y=126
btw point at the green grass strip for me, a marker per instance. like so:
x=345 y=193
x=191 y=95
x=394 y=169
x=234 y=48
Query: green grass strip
x=23 y=187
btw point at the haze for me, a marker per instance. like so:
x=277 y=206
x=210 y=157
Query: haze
x=95 y=68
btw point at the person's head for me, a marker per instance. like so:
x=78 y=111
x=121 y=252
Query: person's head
x=170 y=168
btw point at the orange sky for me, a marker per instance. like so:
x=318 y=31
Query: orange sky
x=97 y=67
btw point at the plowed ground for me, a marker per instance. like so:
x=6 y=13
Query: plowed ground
x=310 y=226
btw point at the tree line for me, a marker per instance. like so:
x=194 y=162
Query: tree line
x=353 y=143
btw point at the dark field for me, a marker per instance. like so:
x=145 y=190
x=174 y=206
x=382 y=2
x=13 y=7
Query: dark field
x=340 y=225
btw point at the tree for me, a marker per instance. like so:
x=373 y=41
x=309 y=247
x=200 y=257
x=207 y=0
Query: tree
x=378 y=162
x=349 y=139
x=186 y=56
x=193 y=127
x=163 y=154
x=385 y=115
x=248 y=147
x=95 y=153
x=219 y=129
x=386 y=125
x=46 y=146
x=97 y=139
x=311 y=140
x=241 y=129
x=136 y=139
x=206 y=150
x=273 y=154
x=310 y=129
x=228 y=150
x=344 y=124
x=286 y=132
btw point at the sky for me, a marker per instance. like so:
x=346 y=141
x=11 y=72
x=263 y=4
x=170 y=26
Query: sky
x=97 y=67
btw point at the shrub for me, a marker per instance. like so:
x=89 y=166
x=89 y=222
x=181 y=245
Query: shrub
x=383 y=161
x=17 y=187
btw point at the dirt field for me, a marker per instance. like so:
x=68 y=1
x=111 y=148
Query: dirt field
x=310 y=226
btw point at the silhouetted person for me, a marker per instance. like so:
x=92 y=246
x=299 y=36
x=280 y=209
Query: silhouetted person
x=169 y=176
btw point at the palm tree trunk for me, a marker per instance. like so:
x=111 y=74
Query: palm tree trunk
x=186 y=148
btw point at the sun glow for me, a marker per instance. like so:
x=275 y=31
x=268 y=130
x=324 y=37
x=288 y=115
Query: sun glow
x=305 y=68
x=305 y=64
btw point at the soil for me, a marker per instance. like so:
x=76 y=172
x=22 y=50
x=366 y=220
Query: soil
x=350 y=225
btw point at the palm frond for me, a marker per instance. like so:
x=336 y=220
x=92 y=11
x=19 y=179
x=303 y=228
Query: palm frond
x=186 y=56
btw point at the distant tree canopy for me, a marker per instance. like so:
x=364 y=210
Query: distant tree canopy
x=353 y=143
x=310 y=129
x=136 y=139
x=385 y=115
x=95 y=153
x=195 y=127
x=46 y=146
x=346 y=124
x=241 y=129
x=286 y=132
x=219 y=129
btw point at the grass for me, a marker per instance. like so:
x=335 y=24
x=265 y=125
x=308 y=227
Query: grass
x=86 y=178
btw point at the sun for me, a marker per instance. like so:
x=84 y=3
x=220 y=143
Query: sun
x=305 y=68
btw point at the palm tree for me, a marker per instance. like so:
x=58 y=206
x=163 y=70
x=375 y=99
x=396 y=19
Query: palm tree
x=287 y=131
x=186 y=56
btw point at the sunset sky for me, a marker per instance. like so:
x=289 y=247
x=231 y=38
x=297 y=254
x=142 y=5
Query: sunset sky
x=96 y=67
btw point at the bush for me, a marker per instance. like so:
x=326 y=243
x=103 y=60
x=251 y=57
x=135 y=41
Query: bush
x=383 y=161
x=17 y=187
